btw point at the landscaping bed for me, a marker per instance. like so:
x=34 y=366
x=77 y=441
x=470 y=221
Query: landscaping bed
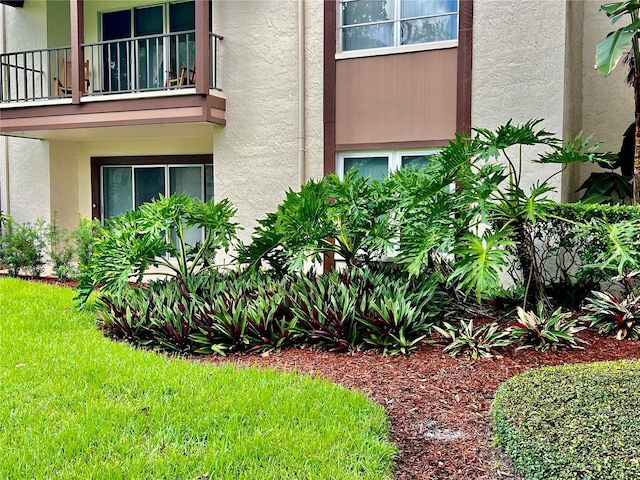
x=438 y=405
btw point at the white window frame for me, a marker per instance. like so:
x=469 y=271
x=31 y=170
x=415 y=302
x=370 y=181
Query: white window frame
x=396 y=48
x=394 y=157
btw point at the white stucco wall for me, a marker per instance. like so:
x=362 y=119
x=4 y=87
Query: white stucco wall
x=28 y=160
x=518 y=69
x=256 y=153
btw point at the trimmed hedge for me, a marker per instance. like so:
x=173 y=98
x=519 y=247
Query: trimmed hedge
x=572 y=421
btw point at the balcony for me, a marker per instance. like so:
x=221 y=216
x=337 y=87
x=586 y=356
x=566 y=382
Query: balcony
x=168 y=78
x=154 y=63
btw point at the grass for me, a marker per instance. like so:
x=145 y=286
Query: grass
x=572 y=421
x=75 y=405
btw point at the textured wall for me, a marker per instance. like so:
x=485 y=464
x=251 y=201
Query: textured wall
x=518 y=67
x=256 y=157
x=26 y=28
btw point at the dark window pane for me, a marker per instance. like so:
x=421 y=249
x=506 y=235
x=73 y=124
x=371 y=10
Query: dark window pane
x=149 y=184
x=116 y=190
x=362 y=11
x=182 y=16
x=415 y=161
x=116 y=25
x=376 y=168
x=148 y=21
x=208 y=182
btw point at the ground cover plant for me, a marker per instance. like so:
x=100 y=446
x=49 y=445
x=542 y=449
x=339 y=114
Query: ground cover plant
x=572 y=421
x=76 y=406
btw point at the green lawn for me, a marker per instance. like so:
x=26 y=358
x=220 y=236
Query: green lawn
x=75 y=405
x=572 y=422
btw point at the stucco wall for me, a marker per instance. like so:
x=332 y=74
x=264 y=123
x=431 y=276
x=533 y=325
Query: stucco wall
x=518 y=68
x=28 y=160
x=256 y=153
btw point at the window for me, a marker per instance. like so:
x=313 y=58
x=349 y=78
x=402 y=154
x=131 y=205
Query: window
x=126 y=183
x=397 y=25
x=378 y=165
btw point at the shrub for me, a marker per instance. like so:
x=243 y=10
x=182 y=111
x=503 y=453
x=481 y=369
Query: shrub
x=478 y=342
x=22 y=247
x=612 y=316
x=571 y=422
x=61 y=250
x=542 y=332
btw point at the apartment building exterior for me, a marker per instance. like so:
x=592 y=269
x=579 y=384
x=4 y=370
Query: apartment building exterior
x=105 y=104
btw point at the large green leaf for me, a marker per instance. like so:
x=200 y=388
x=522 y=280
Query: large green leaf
x=611 y=49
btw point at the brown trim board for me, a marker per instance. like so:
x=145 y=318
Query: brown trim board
x=341 y=147
x=465 y=65
x=157 y=110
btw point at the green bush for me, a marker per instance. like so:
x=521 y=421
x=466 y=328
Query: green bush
x=22 y=247
x=572 y=421
x=545 y=332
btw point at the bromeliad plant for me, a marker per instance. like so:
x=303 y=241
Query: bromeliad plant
x=613 y=316
x=537 y=331
x=476 y=342
x=155 y=237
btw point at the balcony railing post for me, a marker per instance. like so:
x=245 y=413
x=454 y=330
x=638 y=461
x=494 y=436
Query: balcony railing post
x=203 y=45
x=77 y=55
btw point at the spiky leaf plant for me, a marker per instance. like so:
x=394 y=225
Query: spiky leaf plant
x=613 y=316
x=542 y=332
x=476 y=342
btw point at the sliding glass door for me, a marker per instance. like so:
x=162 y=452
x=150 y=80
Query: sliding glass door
x=156 y=43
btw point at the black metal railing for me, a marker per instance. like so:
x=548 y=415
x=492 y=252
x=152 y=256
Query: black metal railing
x=35 y=74
x=130 y=65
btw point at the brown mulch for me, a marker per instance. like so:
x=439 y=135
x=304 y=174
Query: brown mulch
x=438 y=405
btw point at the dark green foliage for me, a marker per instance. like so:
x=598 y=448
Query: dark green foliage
x=22 y=247
x=137 y=241
x=225 y=313
x=572 y=422
x=349 y=218
x=61 y=250
x=542 y=332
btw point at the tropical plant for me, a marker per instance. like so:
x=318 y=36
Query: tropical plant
x=541 y=332
x=608 y=54
x=490 y=220
x=155 y=237
x=477 y=342
x=84 y=235
x=613 y=316
x=348 y=218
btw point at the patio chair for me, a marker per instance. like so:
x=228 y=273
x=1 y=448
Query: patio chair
x=62 y=85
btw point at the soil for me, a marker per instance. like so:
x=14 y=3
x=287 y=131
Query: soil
x=438 y=405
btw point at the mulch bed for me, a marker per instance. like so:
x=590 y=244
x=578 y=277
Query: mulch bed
x=438 y=405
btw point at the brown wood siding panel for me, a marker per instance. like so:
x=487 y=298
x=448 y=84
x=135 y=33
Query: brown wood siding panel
x=410 y=97
x=465 y=64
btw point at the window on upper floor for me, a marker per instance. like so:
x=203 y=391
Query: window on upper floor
x=379 y=164
x=388 y=26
